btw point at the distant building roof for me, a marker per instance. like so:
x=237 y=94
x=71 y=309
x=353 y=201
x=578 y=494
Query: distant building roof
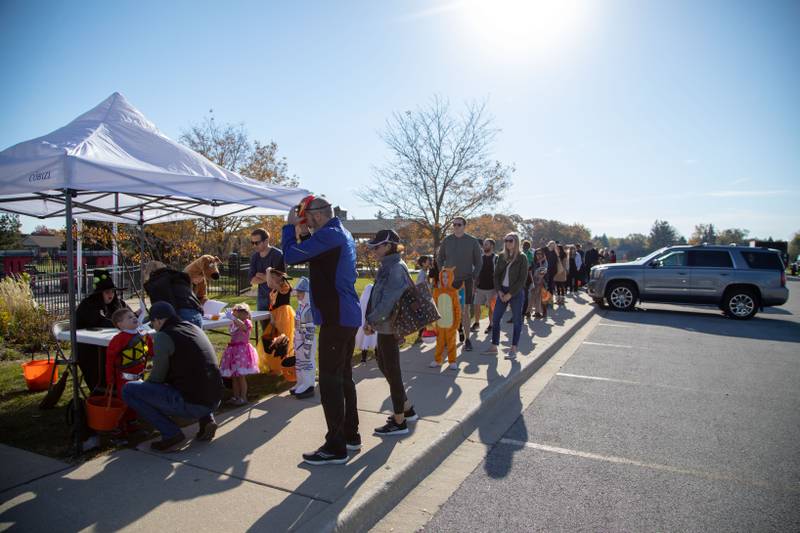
x=43 y=241
x=369 y=227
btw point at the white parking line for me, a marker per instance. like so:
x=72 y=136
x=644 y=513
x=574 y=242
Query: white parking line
x=653 y=466
x=612 y=325
x=595 y=378
x=605 y=344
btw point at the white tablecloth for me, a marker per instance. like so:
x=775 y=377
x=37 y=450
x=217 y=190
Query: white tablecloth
x=101 y=337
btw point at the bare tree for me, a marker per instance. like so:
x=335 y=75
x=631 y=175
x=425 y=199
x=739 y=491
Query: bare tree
x=440 y=167
x=229 y=146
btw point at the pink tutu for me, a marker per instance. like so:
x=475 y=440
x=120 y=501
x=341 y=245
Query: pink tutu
x=239 y=359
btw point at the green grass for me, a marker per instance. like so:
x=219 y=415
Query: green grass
x=24 y=425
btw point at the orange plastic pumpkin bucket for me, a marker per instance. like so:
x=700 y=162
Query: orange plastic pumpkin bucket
x=37 y=374
x=287 y=369
x=104 y=412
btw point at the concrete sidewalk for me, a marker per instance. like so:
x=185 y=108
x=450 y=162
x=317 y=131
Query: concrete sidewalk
x=252 y=475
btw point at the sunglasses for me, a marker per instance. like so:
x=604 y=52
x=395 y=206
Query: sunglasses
x=509 y=240
x=256 y=243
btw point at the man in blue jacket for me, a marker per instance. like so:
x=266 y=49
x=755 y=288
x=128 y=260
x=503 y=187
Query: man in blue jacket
x=320 y=240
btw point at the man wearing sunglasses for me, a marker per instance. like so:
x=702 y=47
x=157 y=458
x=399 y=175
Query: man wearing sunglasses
x=264 y=257
x=462 y=251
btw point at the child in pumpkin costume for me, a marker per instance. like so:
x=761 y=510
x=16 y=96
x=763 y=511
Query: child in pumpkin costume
x=126 y=358
x=447 y=302
x=280 y=327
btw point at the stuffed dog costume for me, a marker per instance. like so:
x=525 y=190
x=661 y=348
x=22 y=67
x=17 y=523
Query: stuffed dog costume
x=199 y=270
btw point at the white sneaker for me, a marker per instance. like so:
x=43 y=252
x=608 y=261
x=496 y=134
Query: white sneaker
x=453 y=366
x=434 y=364
x=510 y=356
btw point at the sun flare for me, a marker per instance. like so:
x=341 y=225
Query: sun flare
x=524 y=28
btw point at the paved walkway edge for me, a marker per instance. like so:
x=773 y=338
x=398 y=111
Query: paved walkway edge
x=360 y=512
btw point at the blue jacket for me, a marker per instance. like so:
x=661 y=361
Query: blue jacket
x=391 y=282
x=331 y=256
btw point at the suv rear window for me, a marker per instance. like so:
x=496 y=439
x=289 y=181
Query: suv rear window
x=710 y=258
x=763 y=260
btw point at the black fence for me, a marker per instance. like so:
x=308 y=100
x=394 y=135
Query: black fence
x=48 y=281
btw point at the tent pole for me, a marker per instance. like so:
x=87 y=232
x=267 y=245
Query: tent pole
x=73 y=336
x=141 y=258
x=80 y=258
x=114 y=256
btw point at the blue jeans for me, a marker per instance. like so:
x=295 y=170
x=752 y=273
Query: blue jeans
x=497 y=318
x=191 y=315
x=156 y=402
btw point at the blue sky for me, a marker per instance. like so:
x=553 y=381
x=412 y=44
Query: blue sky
x=614 y=113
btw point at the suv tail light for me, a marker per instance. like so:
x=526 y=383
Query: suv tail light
x=783 y=278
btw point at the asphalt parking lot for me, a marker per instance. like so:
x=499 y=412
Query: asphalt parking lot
x=666 y=418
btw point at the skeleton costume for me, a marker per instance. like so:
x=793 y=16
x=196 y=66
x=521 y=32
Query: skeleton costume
x=305 y=341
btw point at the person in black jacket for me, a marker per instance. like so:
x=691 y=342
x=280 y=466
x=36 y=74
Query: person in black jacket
x=185 y=381
x=164 y=284
x=95 y=312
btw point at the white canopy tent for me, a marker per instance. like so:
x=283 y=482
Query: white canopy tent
x=112 y=164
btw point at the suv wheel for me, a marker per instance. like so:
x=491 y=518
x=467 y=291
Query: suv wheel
x=741 y=304
x=622 y=296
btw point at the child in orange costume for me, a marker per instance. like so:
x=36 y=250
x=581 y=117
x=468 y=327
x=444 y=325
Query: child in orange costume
x=280 y=328
x=446 y=298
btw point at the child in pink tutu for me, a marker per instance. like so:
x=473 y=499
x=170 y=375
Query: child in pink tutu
x=240 y=357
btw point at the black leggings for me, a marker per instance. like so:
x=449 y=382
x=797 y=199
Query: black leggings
x=561 y=288
x=388 y=356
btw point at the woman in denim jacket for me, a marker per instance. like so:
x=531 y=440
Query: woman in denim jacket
x=391 y=282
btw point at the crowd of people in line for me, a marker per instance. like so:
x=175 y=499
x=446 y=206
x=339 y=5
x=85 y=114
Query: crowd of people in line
x=186 y=380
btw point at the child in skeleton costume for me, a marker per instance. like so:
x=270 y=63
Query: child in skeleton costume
x=126 y=358
x=305 y=342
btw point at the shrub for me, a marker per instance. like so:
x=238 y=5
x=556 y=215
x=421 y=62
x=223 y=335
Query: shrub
x=22 y=321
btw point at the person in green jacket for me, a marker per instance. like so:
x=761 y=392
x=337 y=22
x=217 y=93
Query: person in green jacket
x=510 y=275
x=462 y=251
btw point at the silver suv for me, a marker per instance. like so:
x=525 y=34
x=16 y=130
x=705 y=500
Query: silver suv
x=740 y=280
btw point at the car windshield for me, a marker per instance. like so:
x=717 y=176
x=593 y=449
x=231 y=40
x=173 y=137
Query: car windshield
x=648 y=257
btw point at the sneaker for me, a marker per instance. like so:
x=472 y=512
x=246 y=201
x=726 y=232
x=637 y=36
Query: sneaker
x=410 y=416
x=511 y=356
x=164 y=445
x=240 y=402
x=461 y=335
x=475 y=327
x=392 y=428
x=206 y=431
x=434 y=364
x=321 y=457
x=488 y=329
x=354 y=444
x=537 y=315
x=453 y=366
x=308 y=393
x=468 y=345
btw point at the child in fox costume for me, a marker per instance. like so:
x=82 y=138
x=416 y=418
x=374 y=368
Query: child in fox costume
x=446 y=299
x=280 y=328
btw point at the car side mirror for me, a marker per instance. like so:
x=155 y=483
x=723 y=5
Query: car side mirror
x=655 y=264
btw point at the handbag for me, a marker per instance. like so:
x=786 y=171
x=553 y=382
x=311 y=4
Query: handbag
x=415 y=309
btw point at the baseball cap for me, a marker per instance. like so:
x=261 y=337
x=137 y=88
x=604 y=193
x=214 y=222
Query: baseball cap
x=384 y=236
x=162 y=310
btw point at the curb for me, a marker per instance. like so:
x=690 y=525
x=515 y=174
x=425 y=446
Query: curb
x=361 y=513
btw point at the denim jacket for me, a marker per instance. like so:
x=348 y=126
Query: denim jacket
x=391 y=282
